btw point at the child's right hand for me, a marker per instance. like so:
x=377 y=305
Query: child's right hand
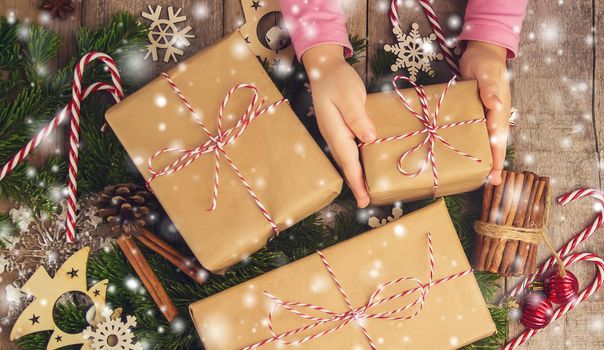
x=339 y=101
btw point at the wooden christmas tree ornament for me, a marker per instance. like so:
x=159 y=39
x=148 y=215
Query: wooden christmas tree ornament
x=38 y=316
x=513 y=222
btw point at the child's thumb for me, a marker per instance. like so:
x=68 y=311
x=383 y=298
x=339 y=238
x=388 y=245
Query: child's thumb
x=489 y=94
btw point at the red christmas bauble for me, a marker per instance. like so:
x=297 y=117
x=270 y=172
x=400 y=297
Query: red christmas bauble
x=537 y=311
x=561 y=290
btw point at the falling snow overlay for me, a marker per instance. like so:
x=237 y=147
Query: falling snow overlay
x=413 y=52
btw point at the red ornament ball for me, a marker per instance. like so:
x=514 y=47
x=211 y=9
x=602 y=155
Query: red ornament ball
x=560 y=290
x=537 y=311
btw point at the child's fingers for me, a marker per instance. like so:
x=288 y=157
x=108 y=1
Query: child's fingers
x=352 y=108
x=344 y=149
x=498 y=128
x=489 y=91
x=348 y=158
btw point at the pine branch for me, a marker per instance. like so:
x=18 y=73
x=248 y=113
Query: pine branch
x=359 y=48
x=40 y=46
x=10 y=59
x=489 y=284
x=33 y=187
x=494 y=342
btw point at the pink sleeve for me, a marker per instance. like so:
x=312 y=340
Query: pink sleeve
x=495 y=21
x=315 y=22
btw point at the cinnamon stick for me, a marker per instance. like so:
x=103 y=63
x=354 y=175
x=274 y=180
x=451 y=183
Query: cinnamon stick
x=479 y=251
x=507 y=189
x=513 y=197
x=509 y=256
x=492 y=217
x=192 y=269
x=524 y=247
x=149 y=279
x=537 y=220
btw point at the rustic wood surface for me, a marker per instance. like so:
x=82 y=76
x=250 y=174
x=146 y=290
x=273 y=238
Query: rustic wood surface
x=557 y=85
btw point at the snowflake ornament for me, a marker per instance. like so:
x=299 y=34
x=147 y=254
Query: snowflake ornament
x=164 y=34
x=413 y=52
x=112 y=333
x=374 y=222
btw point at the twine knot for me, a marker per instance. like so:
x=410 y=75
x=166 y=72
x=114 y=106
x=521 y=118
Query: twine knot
x=430 y=128
x=216 y=144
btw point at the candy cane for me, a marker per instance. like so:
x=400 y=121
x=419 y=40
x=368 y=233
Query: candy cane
x=568 y=259
x=72 y=110
x=563 y=310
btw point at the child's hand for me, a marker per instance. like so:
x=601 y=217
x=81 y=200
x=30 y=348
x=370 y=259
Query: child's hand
x=486 y=63
x=339 y=100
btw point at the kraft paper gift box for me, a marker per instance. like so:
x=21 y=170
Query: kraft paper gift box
x=454 y=313
x=456 y=173
x=276 y=156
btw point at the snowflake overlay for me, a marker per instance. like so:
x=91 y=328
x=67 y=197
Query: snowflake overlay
x=163 y=33
x=413 y=52
x=113 y=333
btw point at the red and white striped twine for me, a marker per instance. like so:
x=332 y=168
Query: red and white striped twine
x=568 y=259
x=430 y=129
x=72 y=110
x=215 y=144
x=341 y=319
x=436 y=28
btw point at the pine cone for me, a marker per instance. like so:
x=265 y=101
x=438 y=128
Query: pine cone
x=126 y=206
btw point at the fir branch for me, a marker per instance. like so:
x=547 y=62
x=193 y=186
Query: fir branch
x=40 y=46
x=359 y=47
x=103 y=159
x=499 y=314
x=33 y=187
x=489 y=284
x=10 y=59
x=35 y=341
x=124 y=39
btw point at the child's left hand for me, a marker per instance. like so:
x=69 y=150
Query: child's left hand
x=486 y=63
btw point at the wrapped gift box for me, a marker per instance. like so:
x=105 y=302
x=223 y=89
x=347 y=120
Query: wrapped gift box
x=278 y=159
x=454 y=312
x=455 y=172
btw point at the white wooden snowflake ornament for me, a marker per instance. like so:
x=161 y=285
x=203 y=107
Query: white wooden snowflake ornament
x=374 y=222
x=164 y=34
x=112 y=333
x=413 y=52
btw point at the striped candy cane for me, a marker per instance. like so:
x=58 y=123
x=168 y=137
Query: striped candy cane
x=563 y=310
x=436 y=28
x=72 y=111
x=568 y=259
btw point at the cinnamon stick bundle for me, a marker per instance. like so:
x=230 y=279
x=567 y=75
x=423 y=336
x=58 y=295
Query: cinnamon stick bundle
x=519 y=201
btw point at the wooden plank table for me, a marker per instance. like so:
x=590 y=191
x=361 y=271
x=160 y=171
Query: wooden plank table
x=557 y=85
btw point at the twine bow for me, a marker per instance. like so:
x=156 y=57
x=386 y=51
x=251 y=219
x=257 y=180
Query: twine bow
x=358 y=314
x=430 y=129
x=216 y=143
